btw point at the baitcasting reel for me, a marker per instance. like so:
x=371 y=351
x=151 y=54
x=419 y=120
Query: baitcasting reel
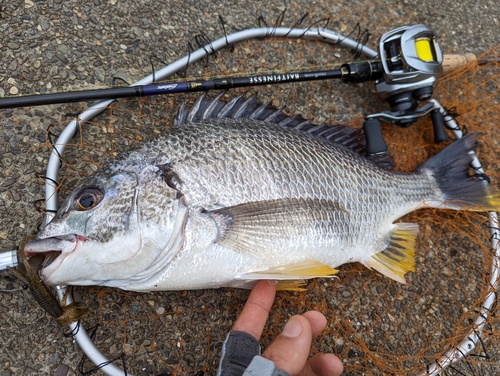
x=411 y=63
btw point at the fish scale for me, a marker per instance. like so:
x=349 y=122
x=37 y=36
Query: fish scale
x=308 y=168
x=225 y=201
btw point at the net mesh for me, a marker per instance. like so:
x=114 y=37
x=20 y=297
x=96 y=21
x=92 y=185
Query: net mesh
x=376 y=326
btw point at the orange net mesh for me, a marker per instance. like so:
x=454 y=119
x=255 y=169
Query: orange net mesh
x=376 y=326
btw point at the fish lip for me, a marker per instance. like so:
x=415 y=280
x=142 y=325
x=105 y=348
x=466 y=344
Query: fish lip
x=62 y=243
x=60 y=246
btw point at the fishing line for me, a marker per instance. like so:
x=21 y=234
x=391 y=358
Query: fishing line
x=460 y=372
x=204 y=42
x=361 y=39
x=73 y=332
x=38 y=206
x=183 y=71
x=114 y=80
x=223 y=24
x=151 y=58
x=300 y=21
x=316 y=23
x=46 y=178
x=483 y=349
x=466 y=360
x=261 y=20
x=81 y=363
x=49 y=138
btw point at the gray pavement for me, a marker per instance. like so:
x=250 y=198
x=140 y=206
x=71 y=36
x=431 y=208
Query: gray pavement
x=57 y=45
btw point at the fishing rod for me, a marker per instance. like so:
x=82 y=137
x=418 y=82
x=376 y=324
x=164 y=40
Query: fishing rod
x=409 y=59
x=349 y=72
x=354 y=72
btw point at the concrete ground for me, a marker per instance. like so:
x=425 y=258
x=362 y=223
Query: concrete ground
x=55 y=45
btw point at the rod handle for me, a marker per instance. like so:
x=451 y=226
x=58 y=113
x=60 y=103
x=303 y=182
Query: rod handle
x=453 y=62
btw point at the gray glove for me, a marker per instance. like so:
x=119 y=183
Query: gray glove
x=241 y=357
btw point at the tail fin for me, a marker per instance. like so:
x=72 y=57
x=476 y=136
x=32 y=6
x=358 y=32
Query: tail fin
x=461 y=190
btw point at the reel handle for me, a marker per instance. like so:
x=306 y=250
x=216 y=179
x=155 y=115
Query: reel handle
x=375 y=143
x=439 y=129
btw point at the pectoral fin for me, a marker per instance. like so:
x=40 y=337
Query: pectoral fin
x=399 y=257
x=265 y=229
x=257 y=227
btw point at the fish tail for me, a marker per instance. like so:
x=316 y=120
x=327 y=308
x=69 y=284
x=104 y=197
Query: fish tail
x=460 y=189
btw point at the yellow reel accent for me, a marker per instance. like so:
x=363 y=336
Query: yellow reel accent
x=424 y=49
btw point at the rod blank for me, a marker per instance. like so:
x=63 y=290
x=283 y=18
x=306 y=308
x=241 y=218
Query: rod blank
x=166 y=88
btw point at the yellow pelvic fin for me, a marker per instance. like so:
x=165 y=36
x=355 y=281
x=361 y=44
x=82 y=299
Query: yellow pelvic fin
x=399 y=256
x=292 y=277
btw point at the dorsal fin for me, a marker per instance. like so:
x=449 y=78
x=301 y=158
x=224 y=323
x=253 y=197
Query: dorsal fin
x=251 y=108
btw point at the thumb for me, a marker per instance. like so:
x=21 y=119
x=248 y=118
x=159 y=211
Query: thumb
x=290 y=350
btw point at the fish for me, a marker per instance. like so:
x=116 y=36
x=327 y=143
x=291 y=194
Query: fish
x=234 y=192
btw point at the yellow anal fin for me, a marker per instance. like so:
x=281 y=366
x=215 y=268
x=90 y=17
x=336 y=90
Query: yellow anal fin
x=305 y=270
x=292 y=285
x=399 y=256
x=292 y=277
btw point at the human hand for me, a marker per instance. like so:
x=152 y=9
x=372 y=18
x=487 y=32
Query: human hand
x=290 y=349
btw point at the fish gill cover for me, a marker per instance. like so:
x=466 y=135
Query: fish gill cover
x=375 y=325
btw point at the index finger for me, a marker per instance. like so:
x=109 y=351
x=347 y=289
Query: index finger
x=254 y=315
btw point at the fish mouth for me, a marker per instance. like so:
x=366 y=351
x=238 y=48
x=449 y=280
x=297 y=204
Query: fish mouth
x=39 y=261
x=46 y=255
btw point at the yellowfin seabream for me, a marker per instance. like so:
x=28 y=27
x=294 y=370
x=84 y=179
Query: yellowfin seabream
x=235 y=192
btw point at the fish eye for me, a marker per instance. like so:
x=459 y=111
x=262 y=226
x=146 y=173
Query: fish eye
x=88 y=198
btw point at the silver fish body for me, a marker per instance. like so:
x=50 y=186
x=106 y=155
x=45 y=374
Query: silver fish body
x=225 y=201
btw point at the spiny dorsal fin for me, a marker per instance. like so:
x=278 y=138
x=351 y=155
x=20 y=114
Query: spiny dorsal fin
x=251 y=108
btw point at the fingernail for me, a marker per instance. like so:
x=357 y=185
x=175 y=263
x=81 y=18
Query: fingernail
x=273 y=282
x=293 y=328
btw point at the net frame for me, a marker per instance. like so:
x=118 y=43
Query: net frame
x=473 y=337
x=451 y=356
